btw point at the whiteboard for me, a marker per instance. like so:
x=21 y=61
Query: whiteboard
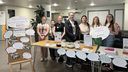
x=119 y=17
x=100 y=13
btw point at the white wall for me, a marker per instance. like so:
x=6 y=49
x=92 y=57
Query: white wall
x=126 y=16
x=47 y=8
x=85 y=11
x=21 y=11
x=111 y=8
x=78 y=15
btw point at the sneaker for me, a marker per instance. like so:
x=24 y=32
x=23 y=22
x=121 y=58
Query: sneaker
x=42 y=59
x=45 y=59
x=60 y=60
x=68 y=65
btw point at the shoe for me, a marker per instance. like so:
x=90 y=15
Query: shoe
x=60 y=60
x=42 y=59
x=54 y=59
x=68 y=65
x=45 y=59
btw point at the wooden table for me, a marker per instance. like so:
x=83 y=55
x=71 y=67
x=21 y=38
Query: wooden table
x=119 y=52
x=49 y=43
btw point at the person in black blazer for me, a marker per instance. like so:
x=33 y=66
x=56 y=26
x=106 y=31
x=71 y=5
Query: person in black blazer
x=72 y=33
x=72 y=29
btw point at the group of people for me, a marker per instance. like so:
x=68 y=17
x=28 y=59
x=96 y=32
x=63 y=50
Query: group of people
x=71 y=31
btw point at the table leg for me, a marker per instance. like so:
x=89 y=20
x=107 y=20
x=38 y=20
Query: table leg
x=33 y=70
x=99 y=66
x=10 y=68
x=20 y=66
x=34 y=58
x=92 y=66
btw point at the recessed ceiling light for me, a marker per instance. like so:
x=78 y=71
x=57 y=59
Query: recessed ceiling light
x=68 y=7
x=55 y=4
x=92 y=4
x=30 y=6
x=1 y=2
x=76 y=1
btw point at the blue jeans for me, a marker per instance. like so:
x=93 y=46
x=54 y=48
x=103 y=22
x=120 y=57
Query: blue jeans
x=109 y=41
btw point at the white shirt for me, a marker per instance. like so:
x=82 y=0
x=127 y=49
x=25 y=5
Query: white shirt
x=84 y=28
x=73 y=26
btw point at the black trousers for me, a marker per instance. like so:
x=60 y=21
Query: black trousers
x=52 y=51
x=71 y=61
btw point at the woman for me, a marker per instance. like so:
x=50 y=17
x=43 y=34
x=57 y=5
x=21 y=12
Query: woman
x=114 y=30
x=96 y=22
x=84 y=26
x=43 y=30
x=59 y=27
x=51 y=37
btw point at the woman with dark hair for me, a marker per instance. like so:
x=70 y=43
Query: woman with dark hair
x=96 y=22
x=114 y=30
x=84 y=26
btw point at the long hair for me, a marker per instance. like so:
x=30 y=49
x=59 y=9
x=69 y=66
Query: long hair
x=98 y=23
x=111 y=22
x=86 y=18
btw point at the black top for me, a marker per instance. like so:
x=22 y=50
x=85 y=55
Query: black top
x=59 y=27
x=69 y=35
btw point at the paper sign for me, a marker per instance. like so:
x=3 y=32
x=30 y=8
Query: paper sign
x=100 y=32
x=58 y=36
x=18 y=22
x=87 y=40
x=125 y=42
x=125 y=45
x=19 y=33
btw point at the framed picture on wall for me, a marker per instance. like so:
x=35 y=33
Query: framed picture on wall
x=48 y=13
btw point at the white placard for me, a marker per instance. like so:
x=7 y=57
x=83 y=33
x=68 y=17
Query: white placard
x=100 y=32
x=58 y=36
x=87 y=40
x=19 y=32
x=18 y=22
x=125 y=45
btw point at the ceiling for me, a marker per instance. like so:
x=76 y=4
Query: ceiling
x=63 y=4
